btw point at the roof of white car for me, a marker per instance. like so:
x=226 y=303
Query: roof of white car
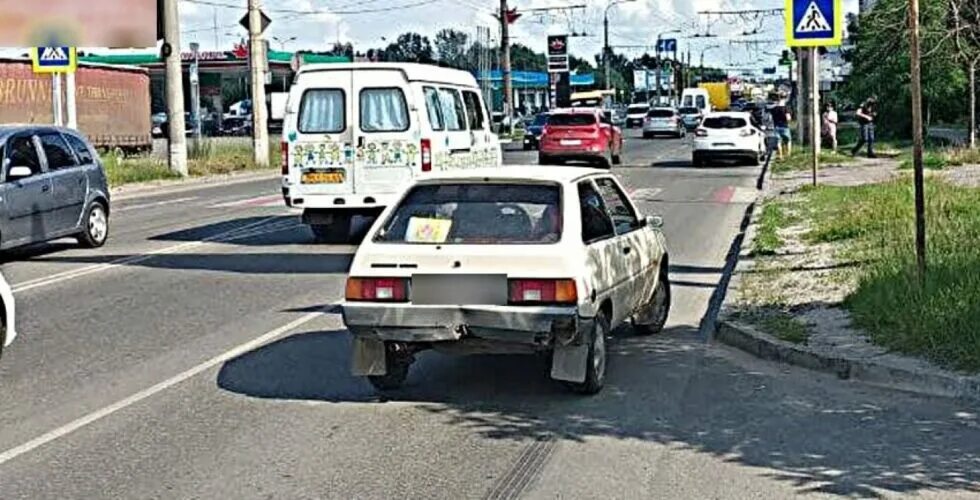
x=537 y=173
x=729 y=114
x=412 y=71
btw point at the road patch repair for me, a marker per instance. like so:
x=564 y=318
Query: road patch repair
x=819 y=280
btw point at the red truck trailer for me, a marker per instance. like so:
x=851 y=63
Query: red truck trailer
x=113 y=103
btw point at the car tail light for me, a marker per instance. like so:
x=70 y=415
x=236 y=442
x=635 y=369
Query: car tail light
x=747 y=132
x=701 y=132
x=284 y=157
x=536 y=291
x=377 y=290
x=426 y=148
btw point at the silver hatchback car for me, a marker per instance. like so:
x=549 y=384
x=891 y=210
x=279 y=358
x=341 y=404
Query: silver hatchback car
x=53 y=185
x=663 y=121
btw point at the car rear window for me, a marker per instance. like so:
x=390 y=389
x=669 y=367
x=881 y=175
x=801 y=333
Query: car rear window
x=322 y=111
x=723 y=122
x=571 y=120
x=476 y=214
x=637 y=109
x=689 y=111
x=540 y=120
x=660 y=113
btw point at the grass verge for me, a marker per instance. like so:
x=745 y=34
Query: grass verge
x=801 y=160
x=780 y=324
x=937 y=317
x=209 y=158
x=771 y=220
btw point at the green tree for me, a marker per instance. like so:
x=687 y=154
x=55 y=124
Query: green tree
x=410 y=47
x=451 y=48
x=523 y=58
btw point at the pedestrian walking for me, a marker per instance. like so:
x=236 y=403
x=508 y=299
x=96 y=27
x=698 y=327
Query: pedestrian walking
x=780 y=122
x=866 y=115
x=829 y=120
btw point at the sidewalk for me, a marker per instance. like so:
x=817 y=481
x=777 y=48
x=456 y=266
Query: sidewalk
x=785 y=299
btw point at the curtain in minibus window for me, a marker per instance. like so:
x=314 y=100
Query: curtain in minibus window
x=322 y=112
x=383 y=110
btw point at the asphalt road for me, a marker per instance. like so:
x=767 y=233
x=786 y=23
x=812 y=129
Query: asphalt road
x=190 y=358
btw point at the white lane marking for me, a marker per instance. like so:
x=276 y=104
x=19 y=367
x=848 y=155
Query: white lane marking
x=74 y=425
x=151 y=205
x=645 y=194
x=74 y=273
x=259 y=201
x=217 y=182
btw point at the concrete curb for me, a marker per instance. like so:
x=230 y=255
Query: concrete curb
x=140 y=190
x=871 y=372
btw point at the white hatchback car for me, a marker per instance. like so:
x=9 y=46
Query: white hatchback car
x=7 y=330
x=729 y=136
x=508 y=260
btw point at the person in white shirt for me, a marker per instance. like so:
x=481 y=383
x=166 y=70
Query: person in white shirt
x=829 y=120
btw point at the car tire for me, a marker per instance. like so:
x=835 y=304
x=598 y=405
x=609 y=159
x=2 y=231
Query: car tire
x=95 y=226
x=660 y=301
x=753 y=161
x=647 y=135
x=595 y=369
x=335 y=232
x=697 y=161
x=396 y=370
x=527 y=147
x=617 y=160
x=544 y=160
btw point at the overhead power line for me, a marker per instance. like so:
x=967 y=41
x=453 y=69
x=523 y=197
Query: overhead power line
x=337 y=11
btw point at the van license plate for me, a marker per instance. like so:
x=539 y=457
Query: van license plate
x=334 y=177
x=571 y=142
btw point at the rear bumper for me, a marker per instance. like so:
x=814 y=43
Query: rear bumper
x=722 y=154
x=634 y=122
x=660 y=129
x=294 y=197
x=534 y=326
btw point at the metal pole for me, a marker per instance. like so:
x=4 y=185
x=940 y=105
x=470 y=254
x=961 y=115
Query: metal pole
x=917 y=140
x=196 y=95
x=660 y=63
x=70 y=103
x=815 y=110
x=175 y=90
x=260 y=131
x=56 y=106
x=505 y=66
x=605 y=46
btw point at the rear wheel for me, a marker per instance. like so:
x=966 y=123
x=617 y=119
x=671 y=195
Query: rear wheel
x=397 y=363
x=595 y=369
x=617 y=159
x=336 y=231
x=647 y=135
x=95 y=228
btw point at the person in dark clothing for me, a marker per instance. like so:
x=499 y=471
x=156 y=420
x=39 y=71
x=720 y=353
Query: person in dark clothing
x=780 y=121
x=866 y=115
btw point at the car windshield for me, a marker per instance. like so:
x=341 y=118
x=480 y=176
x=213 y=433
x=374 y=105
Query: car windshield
x=660 y=113
x=540 y=120
x=476 y=214
x=689 y=111
x=723 y=122
x=571 y=120
x=635 y=109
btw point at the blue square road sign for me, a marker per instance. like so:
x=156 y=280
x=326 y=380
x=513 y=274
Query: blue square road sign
x=814 y=23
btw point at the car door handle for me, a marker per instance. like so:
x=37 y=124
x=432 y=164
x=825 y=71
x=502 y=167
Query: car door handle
x=459 y=151
x=627 y=250
x=45 y=188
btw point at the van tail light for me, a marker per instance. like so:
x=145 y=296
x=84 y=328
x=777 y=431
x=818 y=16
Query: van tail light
x=537 y=291
x=284 y=157
x=701 y=132
x=426 y=148
x=377 y=290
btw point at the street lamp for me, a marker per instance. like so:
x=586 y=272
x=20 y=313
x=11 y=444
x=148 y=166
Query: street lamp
x=660 y=64
x=710 y=47
x=283 y=41
x=605 y=26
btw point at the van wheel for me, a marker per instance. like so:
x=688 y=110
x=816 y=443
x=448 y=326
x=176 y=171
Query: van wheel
x=595 y=369
x=95 y=226
x=336 y=232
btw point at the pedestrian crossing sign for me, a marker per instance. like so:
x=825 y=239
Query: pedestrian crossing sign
x=814 y=23
x=54 y=59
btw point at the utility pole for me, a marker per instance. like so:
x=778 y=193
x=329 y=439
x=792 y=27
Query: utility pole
x=920 y=202
x=195 y=95
x=70 y=104
x=814 y=61
x=605 y=46
x=802 y=91
x=505 y=64
x=175 y=90
x=256 y=53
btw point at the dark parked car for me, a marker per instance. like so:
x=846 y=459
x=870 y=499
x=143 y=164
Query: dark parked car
x=53 y=185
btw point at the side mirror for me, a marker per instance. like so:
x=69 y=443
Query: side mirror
x=655 y=221
x=17 y=173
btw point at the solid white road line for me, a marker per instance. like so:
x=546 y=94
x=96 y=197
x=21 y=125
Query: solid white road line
x=151 y=205
x=125 y=193
x=74 y=425
x=74 y=273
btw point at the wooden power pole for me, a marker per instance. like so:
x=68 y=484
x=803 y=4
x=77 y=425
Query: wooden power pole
x=177 y=143
x=505 y=62
x=256 y=53
x=917 y=140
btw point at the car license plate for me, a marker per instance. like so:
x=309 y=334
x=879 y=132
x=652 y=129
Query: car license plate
x=724 y=145
x=571 y=142
x=459 y=289
x=323 y=177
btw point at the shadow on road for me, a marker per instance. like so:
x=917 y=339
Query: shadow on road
x=688 y=397
x=247 y=263
x=251 y=231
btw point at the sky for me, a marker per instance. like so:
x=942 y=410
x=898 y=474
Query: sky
x=374 y=23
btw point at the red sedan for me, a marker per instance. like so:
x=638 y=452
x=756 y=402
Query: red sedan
x=580 y=135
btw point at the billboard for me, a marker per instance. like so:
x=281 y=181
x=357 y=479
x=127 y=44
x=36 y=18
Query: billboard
x=75 y=23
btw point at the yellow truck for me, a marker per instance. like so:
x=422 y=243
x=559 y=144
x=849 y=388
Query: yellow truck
x=719 y=94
